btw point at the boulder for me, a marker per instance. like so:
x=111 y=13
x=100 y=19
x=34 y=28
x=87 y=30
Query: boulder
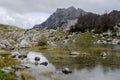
x=20 y=67
x=115 y=41
x=22 y=56
x=44 y=63
x=37 y=58
x=66 y=71
x=23 y=44
x=6 y=69
x=51 y=43
x=74 y=53
x=2 y=46
x=104 y=54
x=6 y=44
x=15 y=54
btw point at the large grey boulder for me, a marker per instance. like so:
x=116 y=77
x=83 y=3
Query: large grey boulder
x=5 y=44
x=23 y=44
x=2 y=46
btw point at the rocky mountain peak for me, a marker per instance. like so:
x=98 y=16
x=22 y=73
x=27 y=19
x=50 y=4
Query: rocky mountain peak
x=71 y=8
x=62 y=17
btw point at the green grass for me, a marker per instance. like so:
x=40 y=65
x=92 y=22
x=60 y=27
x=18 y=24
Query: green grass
x=4 y=52
x=7 y=76
x=7 y=61
x=27 y=76
x=8 y=27
x=57 y=58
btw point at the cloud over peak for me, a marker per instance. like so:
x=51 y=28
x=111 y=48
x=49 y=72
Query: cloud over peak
x=26 y=13
x=27 y=20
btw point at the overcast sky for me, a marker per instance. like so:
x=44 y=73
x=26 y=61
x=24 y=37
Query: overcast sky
x=27 y=13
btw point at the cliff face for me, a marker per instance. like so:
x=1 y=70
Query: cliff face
x=61 y=18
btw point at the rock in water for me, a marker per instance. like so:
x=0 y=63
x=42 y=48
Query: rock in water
x=37 y=58
x=74 y=53
x=44 y=63
x=66 y=71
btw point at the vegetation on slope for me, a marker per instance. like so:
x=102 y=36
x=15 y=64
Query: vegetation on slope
x=8 y=27
x=98 y=23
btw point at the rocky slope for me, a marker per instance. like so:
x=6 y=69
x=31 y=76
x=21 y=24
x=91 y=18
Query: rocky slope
x=61 y=18
x=16 y=39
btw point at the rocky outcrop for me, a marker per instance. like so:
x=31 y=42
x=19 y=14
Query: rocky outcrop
x=61 y=18
x=110 y=37
x=23 y=44
x=6 y=44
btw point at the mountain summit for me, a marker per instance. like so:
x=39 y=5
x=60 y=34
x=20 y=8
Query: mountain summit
x=62 y=17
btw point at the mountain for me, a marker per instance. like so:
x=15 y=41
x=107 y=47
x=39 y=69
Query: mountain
x=115 y=14
x=61 y=18
x=4 y=27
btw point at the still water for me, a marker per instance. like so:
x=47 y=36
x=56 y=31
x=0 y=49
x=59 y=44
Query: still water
x=83 y=67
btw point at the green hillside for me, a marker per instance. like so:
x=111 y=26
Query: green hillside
x=8 y=27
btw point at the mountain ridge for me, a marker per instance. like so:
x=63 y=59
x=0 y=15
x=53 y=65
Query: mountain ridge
x=67 y=17
x=62 y=17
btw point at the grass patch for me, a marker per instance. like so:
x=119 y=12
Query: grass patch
x=7 y=61
x=27 y=76
x=58 y=49
x=47 y=73
x=4 y=52
x=57 y=58
x=102 y=49
x=8 y=27
x=7 y=76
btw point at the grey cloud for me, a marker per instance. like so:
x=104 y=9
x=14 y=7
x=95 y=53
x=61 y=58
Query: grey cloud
x=21 y=20
x=49 y=6
x=27 y=13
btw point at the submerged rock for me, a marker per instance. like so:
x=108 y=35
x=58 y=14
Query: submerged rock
x=74 y=53
x=22 y=56
x=37 y=58
x=44 y=63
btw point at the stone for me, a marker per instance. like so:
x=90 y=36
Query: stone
x=23 y=44
x=104 y=54
x=15 y=54
x=37 y=58
x=22 y=56
x=66 y=71
x=115 y=41
x=51 y=43
x=74 y=53
x=6 y=69
x=44 y=63
x=5 y=44
x=20 y=67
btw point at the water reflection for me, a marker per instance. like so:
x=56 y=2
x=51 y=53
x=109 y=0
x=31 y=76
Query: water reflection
x=81 y=67
x=97 y=73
